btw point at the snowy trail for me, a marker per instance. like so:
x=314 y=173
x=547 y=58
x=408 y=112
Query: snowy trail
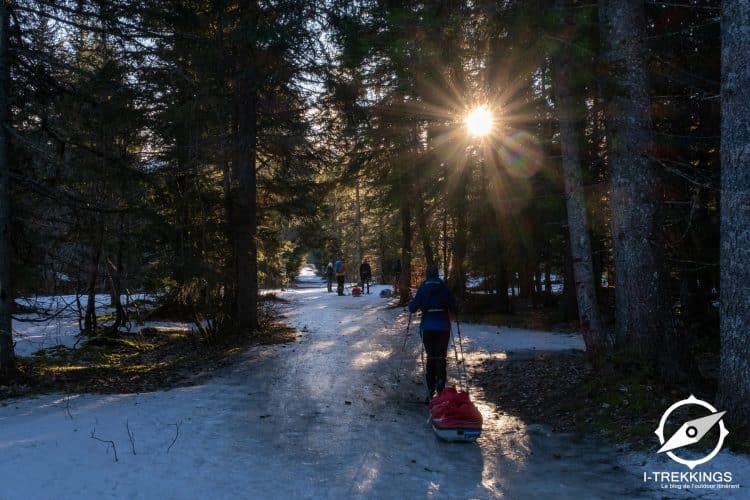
x=320 y=418
x=381 y=445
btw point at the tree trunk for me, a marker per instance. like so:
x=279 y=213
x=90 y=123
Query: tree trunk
x=734 y=374
x=115 y=282
x=446 y=269
x=424 y=233
x=404 y=285
x=580 y=243
x=95 y=251
x=358 y=222
x=501 y=300
x=547 y=282
x=458 y=271
x=7 y=357
x=244 y=211
x=524 y=281
x=642 y=300
x=569 y=303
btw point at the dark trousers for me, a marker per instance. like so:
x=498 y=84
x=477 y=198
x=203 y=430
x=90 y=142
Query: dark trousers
x=365 y=283
x=340 y=284
x=330 y=283
x=436 y=346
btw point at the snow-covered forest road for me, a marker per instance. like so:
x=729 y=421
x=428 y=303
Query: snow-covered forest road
x=325 y=417
x=380 y=444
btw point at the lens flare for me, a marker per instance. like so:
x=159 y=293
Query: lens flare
x=521 y=154
x=479 y=121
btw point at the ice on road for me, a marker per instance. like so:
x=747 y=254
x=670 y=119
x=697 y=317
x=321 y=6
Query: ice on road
x=338 y=414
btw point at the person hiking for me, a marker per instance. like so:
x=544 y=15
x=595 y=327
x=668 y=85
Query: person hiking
x=365 y=275
x=436 y=301
x=340 y=268
x=329 y=276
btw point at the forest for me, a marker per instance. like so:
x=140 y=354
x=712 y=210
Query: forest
x=203 y=150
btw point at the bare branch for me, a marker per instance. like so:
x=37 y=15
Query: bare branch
x=131 y=436
x=176 y=435
x=67 y=406
x=106 y=441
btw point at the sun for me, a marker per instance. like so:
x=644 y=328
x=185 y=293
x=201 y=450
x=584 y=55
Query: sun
x=479 y=121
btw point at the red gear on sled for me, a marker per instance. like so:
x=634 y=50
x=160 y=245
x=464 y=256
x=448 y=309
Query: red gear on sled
x=452 y=409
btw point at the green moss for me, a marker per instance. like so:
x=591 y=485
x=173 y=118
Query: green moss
x=624 y=401
x=111 y=362
x=106 y=318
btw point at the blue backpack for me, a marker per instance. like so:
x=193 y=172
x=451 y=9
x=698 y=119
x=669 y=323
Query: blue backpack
x=339 y=266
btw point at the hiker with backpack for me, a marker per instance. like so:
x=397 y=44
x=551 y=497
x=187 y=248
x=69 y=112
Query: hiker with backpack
x=365 y=275
x=436 y=301
x=329 y=276
x=340 y=268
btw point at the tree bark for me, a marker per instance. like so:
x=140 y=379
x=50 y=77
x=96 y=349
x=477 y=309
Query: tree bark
x=115 y=282
x=642 y=301
x=358 y=222
x=7 y=356
x=424 y=233
x=569 y=303
x=244 y=212
x=734 y=373
x=446 y=267
x=580 y=242
x=458 y=270
x=95 y=251
x=404 y=285
x=499 y=263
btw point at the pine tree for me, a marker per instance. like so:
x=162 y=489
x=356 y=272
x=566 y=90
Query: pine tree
x=643 y=313
x=580 y=244
x=7 y=363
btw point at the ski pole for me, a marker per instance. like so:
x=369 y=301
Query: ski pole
x=463 y=358
x=458 y=361
x=403 y=350
x=408 y=324
x=421 y=356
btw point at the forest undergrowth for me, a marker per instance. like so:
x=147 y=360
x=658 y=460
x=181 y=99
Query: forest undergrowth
x=145 y=359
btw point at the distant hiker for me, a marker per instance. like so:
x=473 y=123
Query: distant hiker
x=396 y=273
x=340 y=268
x=365 y=275
x=436 y=301
x=329 y=276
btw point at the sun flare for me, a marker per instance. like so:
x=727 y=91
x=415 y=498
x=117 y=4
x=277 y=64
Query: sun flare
x=479 y=121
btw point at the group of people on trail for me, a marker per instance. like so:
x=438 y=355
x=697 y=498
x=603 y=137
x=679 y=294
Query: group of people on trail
x=436 y=302
x=339 y=271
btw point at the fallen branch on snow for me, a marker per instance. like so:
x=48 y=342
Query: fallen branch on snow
x=108 y=442
x=176 y=435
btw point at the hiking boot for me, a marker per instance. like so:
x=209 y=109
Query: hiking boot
x=440 y=385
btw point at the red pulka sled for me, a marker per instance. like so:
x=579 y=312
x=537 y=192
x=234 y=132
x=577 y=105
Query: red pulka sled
x=454 y=417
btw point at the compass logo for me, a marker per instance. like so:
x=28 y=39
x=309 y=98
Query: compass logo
x=692 y=431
